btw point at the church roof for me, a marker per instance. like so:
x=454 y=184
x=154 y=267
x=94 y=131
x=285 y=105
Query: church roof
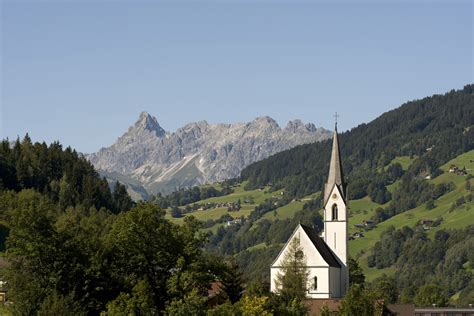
x=336 y=176
x=321 y=246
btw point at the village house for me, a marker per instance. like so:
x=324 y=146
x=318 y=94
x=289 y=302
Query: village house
x=369 y=223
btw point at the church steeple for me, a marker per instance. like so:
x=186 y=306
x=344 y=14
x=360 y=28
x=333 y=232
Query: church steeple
x=336 y=176
x=335 y=211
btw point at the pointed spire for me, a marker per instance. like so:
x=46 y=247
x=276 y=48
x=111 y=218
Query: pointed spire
x=336 y=175
x=335 y=119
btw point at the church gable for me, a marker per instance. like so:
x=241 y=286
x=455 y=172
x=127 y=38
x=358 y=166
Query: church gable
x=335 y=200
x=317 y=252
x=335 y=189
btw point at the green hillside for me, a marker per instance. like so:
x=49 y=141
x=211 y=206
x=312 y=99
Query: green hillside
x=249 y=199
x=458 y=218
x=359 y=210
x=442 y=205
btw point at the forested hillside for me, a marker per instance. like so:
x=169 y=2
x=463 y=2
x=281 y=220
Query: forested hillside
x=62 y=175
x=438 y=128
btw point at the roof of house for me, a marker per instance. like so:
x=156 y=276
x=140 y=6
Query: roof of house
x=315 y=305
x=216 y=288
x=321 y=246
x=401 y=309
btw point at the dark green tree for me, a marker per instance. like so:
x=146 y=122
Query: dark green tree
x=147 y=246
x=385 y=288
x=430 y=294
x=58 y=305
x=193 y=303
x=430 y=204
x=358 y=301
x=176 y=212
x=32 y=250
x=66 y=193
x=231 y=281
x=356 y=275
x=122 y=201
x=139 y=302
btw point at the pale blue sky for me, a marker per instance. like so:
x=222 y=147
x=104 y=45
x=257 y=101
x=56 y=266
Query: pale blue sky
x=81 y=71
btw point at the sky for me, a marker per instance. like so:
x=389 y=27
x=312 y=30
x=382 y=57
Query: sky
x=82 y=71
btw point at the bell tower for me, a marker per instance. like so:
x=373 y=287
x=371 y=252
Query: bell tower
x=335 y=211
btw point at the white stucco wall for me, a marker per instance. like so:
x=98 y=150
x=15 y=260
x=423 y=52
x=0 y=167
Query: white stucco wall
x=328 y=277
x=323 y=290
x=313 y=258
x=328 y=282
x=335 y=232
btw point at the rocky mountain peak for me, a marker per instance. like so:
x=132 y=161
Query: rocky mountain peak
x=310 y=127
x=147 y=122
x=265 y=122
x=294 y=125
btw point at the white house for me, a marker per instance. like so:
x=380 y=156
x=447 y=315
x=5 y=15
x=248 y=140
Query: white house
x=326 y=255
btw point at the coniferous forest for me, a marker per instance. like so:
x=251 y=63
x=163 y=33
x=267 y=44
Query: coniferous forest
x=436 y=129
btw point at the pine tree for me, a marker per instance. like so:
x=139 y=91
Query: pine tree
x=66 y=193
x=122 y=200
x=356 y=275
x=292 y=279
x=232 y=282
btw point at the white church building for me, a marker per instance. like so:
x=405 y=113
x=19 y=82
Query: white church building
x=326 y=254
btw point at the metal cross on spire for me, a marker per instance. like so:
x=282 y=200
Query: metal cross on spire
x=336 y=116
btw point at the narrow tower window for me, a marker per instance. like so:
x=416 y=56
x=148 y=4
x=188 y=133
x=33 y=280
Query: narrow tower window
x=334 y=212
x=315 y=284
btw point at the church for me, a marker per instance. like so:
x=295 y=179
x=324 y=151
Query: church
x=326 y=253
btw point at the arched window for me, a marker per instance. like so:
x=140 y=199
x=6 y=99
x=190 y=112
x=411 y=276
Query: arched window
x=315 y=283
x=334 y=212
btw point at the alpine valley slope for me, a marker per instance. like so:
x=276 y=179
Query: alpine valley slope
x=150 y=160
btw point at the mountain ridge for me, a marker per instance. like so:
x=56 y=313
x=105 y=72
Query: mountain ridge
x=197 y=153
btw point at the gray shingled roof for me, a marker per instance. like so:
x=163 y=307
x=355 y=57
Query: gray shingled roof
x=322 y=247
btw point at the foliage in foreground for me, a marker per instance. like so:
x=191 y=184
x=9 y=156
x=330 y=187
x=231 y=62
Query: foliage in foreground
x=292 y=279
x=136 y=260
x=138 y=263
